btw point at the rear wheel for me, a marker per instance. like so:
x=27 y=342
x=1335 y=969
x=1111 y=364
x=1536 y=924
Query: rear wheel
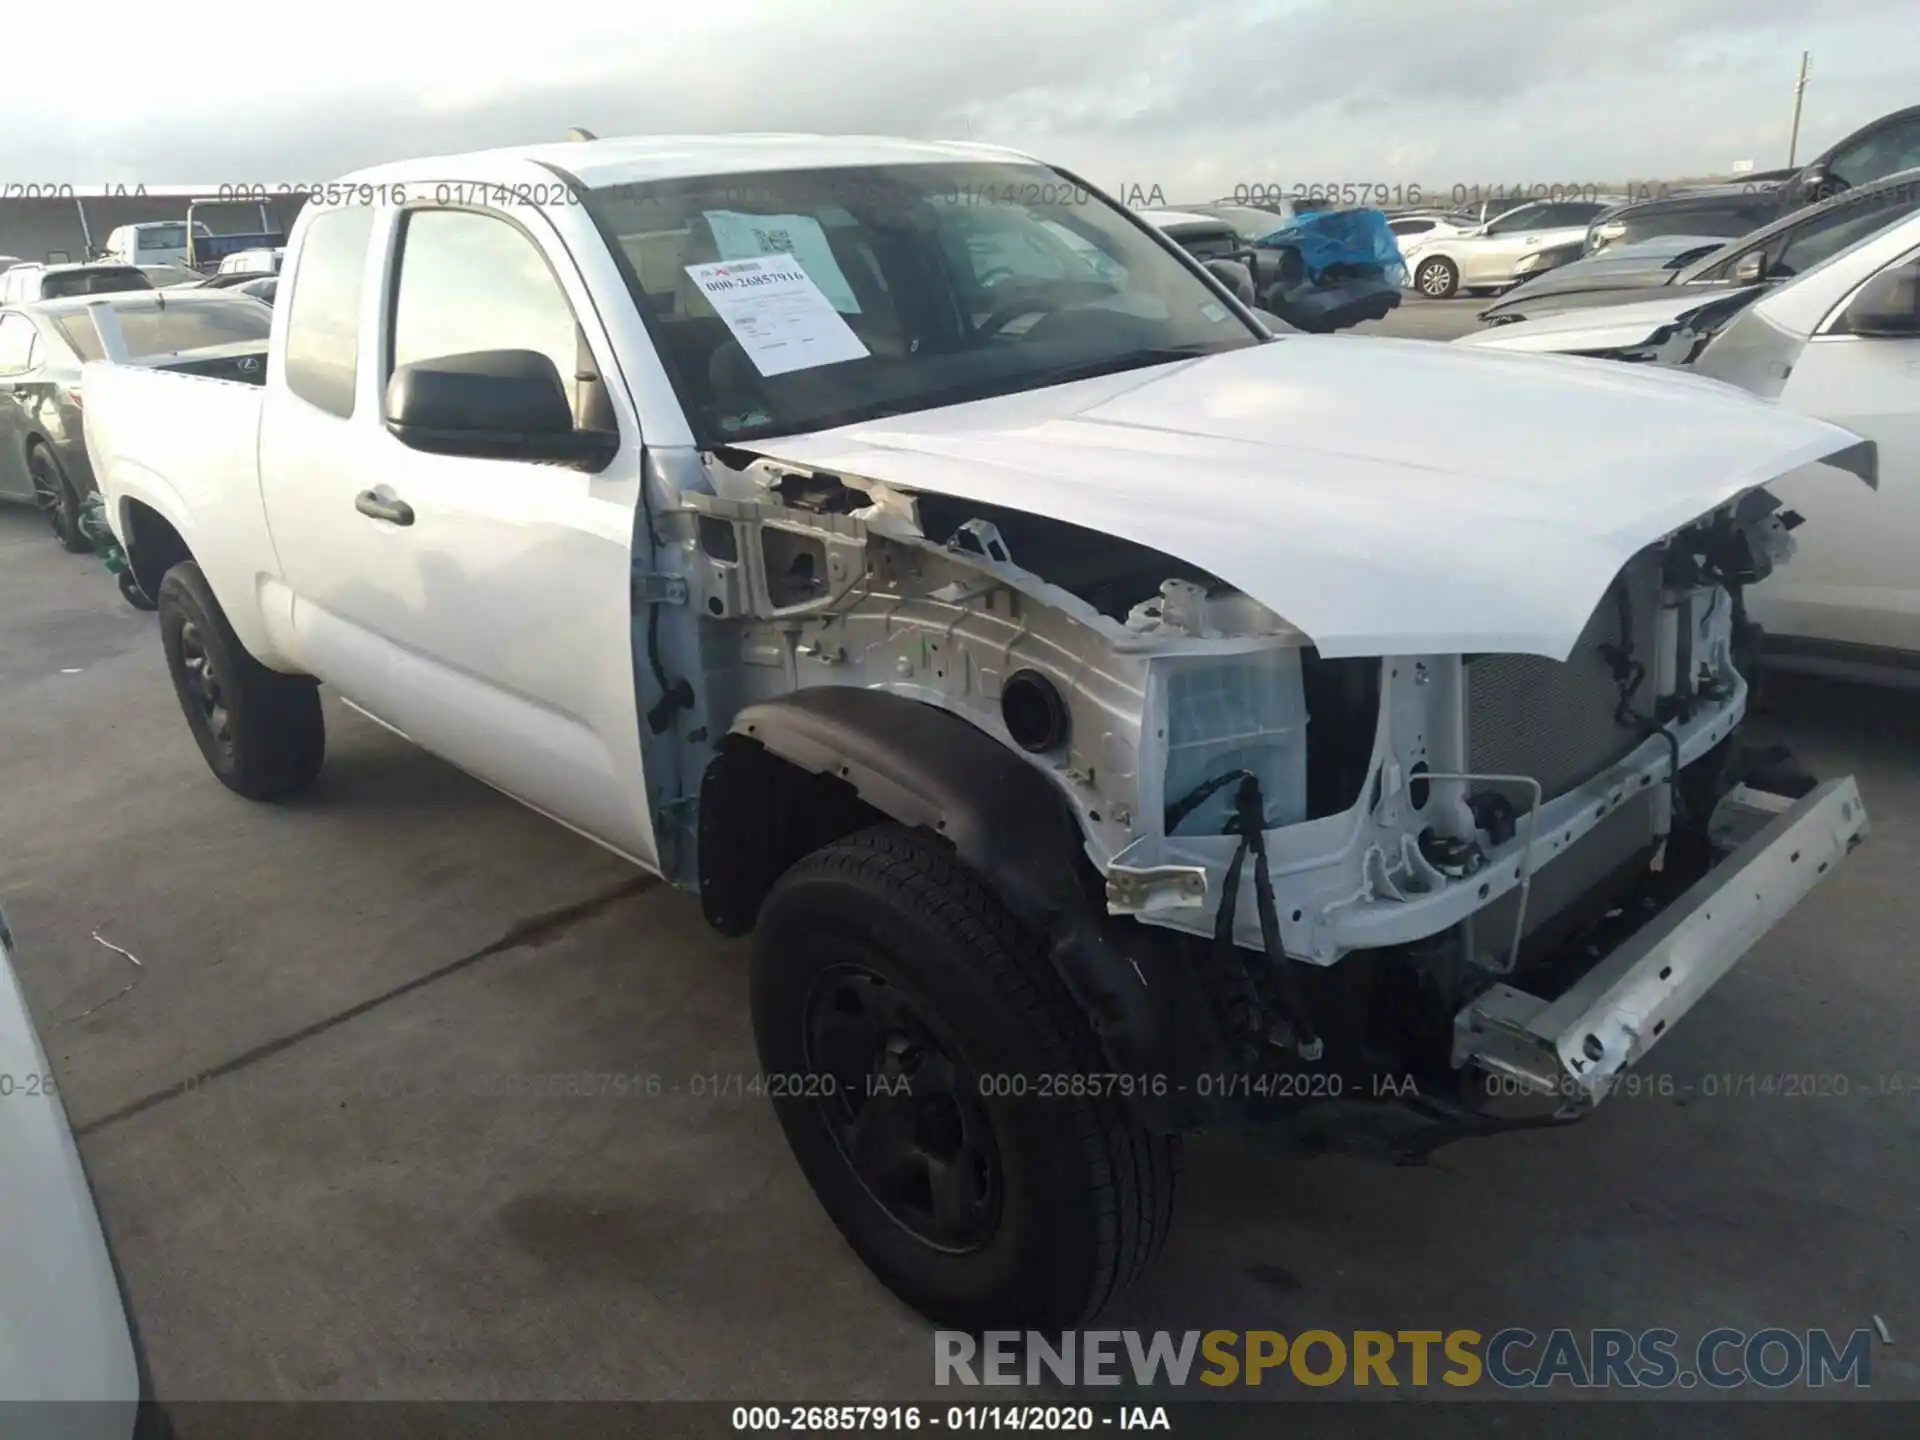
x=922 y=1058
x=261 y=732
x=1437 y=279
x=56 y=497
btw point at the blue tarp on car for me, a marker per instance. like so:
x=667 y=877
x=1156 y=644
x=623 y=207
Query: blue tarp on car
x=1356 y=239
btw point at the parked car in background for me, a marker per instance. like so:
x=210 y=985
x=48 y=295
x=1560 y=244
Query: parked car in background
x=1727 y=211
x=23 y=284
x=206 y=249
x=43 y=453
x=70 y=1361
x=1409 y=225
x=152 y=242
x=1484 y=212
x=1440 y=264
x=231 y=280
x=1778 y=251
x=1881 y=148
x=165 y=277
x=1272 y=248
x=1839 y=340
x=252 y=262
x=1669 y=252
x=999 y=621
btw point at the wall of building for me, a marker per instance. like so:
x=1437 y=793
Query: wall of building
x=43 y=229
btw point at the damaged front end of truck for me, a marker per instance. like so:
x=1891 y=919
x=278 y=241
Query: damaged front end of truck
x=1370 y=901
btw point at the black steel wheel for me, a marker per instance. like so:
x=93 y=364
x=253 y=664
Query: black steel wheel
x=908 y=1117
x=261 y=732
x=922 y=1056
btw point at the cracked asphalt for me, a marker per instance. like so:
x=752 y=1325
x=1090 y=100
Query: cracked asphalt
x=306 y=1117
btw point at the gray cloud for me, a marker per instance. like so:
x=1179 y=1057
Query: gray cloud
x=1185 y=93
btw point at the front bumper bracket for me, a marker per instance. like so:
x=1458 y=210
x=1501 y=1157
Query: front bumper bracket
x=1576 y=1044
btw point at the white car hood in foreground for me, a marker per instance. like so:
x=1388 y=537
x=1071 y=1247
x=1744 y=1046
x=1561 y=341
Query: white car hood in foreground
x=1603 y=327
x=1385 y=496
x=63 y=1333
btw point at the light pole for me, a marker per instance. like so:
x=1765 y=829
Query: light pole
x=1799 y=89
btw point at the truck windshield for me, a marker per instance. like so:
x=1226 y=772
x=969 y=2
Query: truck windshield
x=895 y=288
x=164 y=237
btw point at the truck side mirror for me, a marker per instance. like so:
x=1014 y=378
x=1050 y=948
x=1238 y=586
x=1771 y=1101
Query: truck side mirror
x=1887 y=306
x=1751 y=269
x=491 y=404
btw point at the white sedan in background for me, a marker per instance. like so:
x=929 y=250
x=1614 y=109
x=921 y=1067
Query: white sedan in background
x=1840 y=342
x=1447 y=260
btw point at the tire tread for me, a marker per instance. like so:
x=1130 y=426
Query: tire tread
x=1135 y=1173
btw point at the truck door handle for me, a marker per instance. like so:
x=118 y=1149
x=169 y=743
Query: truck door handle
x=395 y=512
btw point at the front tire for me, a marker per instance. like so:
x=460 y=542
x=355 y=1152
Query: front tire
x=921 y=1054
x=261 y=732
x=1437 y=279
x=55 y=495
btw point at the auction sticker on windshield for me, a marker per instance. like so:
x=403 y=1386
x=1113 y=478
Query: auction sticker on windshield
x=739 y=236
x=776 y=312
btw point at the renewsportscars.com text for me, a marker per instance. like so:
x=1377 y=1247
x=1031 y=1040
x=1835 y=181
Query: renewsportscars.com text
x=1510 y=1359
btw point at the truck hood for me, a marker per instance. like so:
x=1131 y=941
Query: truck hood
x=1385 y=496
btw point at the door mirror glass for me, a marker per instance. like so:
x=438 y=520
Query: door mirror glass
x=1750 y=269
x=1887 y=305
x=498 y=404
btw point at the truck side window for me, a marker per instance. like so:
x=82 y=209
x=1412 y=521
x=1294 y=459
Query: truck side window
x=323 y=323
x=469 y=282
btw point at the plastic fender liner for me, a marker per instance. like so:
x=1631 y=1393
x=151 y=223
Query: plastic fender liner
x=925 y=767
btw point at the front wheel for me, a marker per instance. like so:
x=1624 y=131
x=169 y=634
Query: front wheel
x=939 y=1088
x=1437 y=279
x=261 y=732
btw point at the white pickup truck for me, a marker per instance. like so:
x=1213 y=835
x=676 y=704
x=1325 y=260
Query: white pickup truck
x=1111 y=718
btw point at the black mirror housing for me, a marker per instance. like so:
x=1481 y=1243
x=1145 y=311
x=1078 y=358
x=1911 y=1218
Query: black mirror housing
x=493 y=404
x=1888 y=305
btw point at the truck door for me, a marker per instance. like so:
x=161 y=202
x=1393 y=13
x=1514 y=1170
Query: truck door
x=482 y=606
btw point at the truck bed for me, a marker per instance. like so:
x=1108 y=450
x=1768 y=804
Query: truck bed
x=186 y=446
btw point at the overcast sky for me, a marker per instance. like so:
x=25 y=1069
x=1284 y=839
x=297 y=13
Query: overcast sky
x=1196 y=96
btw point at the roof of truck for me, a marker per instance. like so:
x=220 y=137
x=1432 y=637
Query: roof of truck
x=667 y=157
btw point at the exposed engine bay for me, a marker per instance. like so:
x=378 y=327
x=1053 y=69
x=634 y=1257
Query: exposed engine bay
x=1445 y=824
